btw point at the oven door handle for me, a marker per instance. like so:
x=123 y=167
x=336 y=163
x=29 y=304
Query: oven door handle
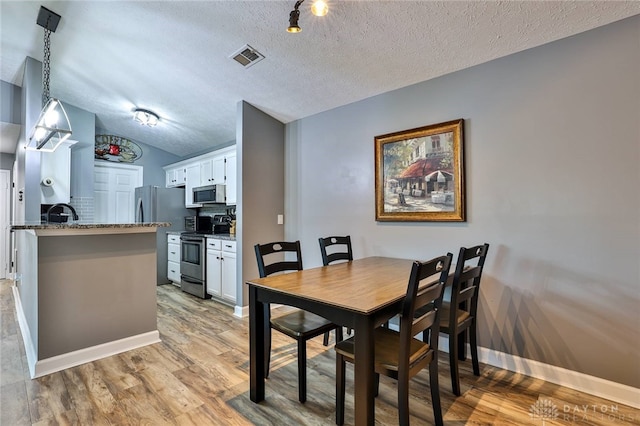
x=192 y=239
x=191 y=281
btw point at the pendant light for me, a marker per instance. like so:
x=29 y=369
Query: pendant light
x=52 y=127
x=318 y=8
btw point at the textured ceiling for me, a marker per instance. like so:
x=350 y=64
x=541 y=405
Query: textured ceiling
x=172 y=57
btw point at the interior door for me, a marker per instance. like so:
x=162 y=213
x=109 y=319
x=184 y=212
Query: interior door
x=114 y=192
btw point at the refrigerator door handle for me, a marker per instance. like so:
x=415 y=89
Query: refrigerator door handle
x=139 y=211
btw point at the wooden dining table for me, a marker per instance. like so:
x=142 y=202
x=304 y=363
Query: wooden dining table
x=361 y=294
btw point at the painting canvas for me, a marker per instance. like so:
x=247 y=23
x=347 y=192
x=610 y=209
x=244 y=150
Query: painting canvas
x=420 y=174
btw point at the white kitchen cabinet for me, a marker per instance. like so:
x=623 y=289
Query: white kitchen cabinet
x=175 y=177
x=173 y=258
x=230 y=179
x=212 y=171
x=221 y=269
x=192 y=181
x=214 y=267
x=229 y=271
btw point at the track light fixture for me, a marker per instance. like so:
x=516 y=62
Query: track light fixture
x=52 y=127
x=318 y=8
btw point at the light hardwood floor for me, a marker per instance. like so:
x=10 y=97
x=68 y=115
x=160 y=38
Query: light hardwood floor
x=199 y=375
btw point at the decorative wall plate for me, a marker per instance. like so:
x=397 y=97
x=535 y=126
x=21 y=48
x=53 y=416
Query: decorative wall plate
x=117 y=148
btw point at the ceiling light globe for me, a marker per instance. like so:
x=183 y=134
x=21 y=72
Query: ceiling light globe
x=319 y=8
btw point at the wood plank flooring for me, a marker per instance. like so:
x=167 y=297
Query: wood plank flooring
x=199 y=375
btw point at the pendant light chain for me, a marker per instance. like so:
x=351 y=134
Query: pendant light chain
x=46 y=67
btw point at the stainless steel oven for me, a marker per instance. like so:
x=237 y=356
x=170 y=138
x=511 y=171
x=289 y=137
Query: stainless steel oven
x=193 y=256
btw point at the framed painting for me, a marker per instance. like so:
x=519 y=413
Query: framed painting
x=420 y=174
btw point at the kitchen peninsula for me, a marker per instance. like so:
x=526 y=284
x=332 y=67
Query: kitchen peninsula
x=84 y=291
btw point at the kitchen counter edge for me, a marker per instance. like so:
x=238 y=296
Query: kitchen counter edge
x=88 y=226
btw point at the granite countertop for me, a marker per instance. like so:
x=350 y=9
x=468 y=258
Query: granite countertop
x=227 y=237
x=39 y=226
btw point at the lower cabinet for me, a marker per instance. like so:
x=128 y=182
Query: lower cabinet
x=221 y=269
x=173 y=258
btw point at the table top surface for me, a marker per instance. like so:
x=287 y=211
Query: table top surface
x=362 y=285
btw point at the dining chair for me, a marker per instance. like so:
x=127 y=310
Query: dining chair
x=400 y=355
x=298 y=324
x=339 y=250
x=465 y=290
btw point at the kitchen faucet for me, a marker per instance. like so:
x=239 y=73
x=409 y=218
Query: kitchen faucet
x=73 y=211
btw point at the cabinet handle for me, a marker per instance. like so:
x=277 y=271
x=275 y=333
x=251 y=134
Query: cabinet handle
x=173 y=271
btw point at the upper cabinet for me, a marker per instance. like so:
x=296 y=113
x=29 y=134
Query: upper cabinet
x=215 y=168
x=212 y=171
x=230 y=178
x=192 y=181
x=176 y=177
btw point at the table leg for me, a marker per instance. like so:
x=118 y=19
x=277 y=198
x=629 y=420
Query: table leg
x=256 y=345
x=364 y=381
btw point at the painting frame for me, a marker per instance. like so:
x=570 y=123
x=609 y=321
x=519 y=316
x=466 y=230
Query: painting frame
x=419 y=174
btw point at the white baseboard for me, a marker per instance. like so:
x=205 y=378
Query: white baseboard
x=592 y=385
x=39 y=368
x=241 y=311
x=32 y=355
x=93 y=353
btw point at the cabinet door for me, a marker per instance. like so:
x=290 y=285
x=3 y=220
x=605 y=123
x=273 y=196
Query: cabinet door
x=173 y=272
x=206 y=172
x=218 y=170
x=175 y=177
x=214 y=272
x=180 y=176
x=229 y=271
x=192 y=181
x=170 y=178
x=230 y=179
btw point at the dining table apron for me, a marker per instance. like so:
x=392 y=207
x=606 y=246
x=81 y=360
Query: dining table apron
x=361 y=294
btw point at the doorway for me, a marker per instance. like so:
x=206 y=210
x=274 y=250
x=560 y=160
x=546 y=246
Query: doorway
x=114 y=191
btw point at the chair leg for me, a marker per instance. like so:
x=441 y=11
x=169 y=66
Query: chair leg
x=435 y=392
x=473 y=342
x=453 y=365
x=325 y=340
x=403 y=400
x=462 y=347
x=339 y=334
x=340 y=389
x=302 y=370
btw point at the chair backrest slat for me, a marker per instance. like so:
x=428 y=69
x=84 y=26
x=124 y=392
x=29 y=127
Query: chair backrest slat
x=334 y=244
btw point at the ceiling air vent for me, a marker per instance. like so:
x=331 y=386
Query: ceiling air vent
x=247 y=56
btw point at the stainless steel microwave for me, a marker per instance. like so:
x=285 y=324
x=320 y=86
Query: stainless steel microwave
x=209 y=194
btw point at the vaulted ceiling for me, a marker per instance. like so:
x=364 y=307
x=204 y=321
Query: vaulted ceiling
x=173 y=57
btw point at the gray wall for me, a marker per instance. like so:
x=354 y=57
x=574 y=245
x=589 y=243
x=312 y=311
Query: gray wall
x=261 y=187
x=552 y=151
x=83 y=124
x=10 y=103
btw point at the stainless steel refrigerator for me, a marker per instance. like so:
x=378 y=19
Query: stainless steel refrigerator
x=155 y=204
